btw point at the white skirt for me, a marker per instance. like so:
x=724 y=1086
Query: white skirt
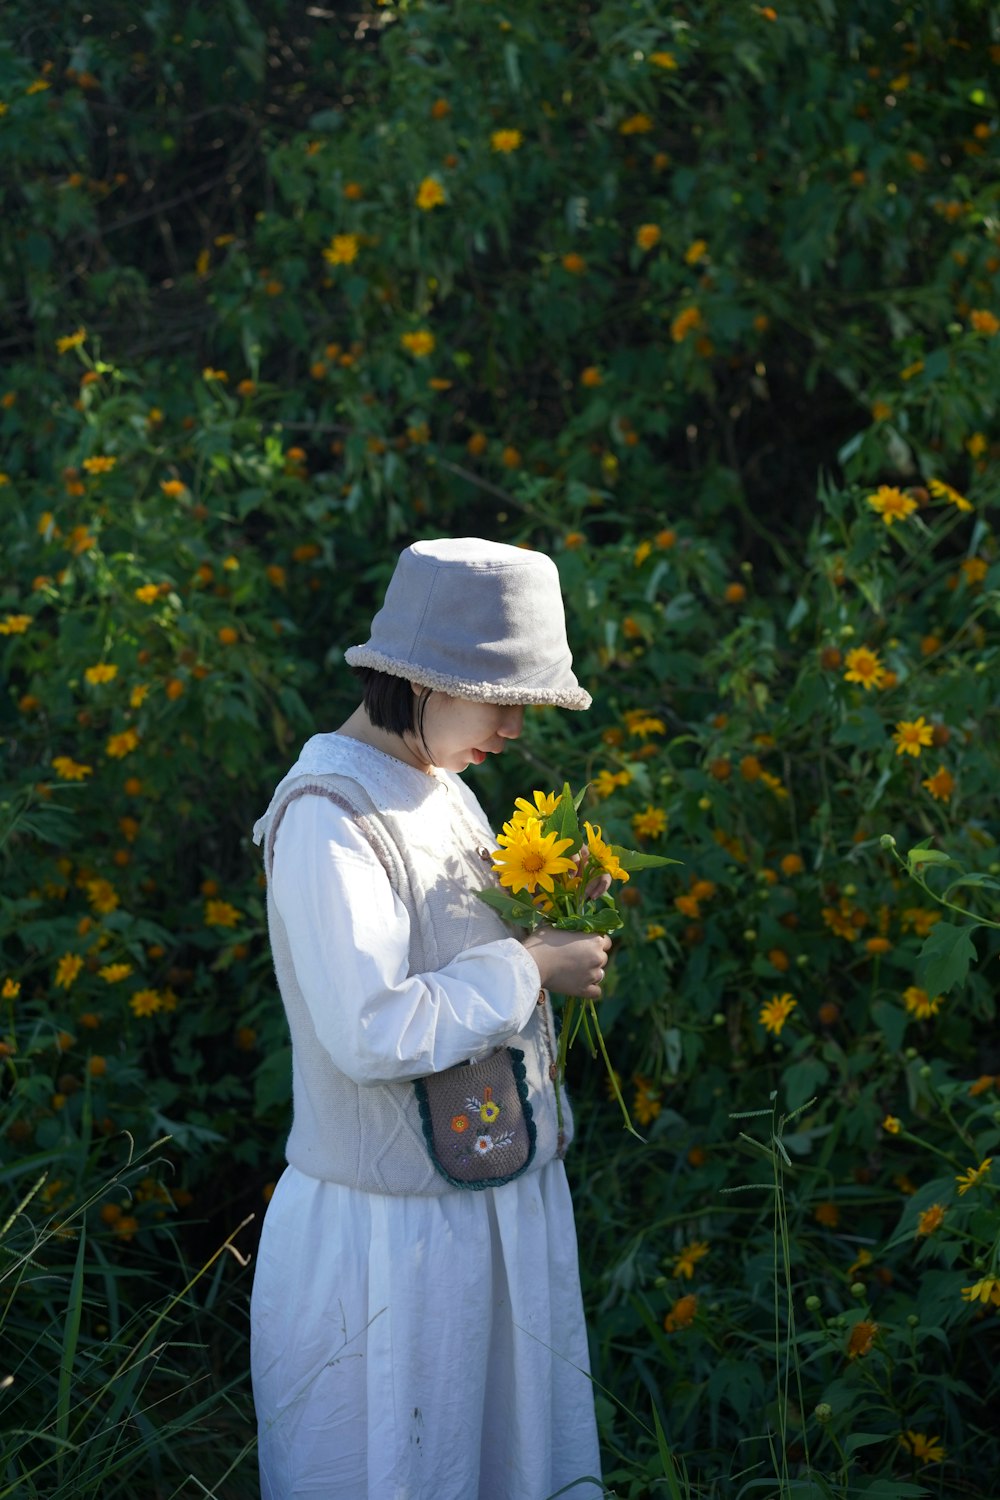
x=415 y=1348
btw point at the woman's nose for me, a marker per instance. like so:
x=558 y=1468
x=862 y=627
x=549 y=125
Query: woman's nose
x=512 y=724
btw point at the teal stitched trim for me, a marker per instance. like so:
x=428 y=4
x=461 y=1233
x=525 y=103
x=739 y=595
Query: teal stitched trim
x=521 y=1079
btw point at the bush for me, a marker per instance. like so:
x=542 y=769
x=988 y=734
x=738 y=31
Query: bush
x=702 y=303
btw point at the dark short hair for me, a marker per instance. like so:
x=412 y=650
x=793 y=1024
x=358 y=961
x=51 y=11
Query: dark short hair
x=390 y=702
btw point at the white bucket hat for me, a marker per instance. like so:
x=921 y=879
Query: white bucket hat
x=478 y=620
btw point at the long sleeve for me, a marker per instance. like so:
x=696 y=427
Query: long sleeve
x=349 y=936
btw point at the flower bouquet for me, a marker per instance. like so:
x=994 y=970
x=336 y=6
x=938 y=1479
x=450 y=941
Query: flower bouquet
x=548 y=867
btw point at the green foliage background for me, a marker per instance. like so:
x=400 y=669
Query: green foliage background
x=737 y=270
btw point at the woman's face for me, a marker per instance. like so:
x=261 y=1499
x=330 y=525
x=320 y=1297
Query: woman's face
x=458 y=733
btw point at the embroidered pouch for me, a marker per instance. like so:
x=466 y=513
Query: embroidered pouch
x=477 y=1121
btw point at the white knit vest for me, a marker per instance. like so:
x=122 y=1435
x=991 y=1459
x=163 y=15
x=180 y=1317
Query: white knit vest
x=427 y=832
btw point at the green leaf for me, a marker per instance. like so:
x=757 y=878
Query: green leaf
x=564 y=822
x=512 y=908
x=631 y=859
x=944 y=959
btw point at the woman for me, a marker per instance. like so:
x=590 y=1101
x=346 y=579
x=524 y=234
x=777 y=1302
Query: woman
x=417 y=1323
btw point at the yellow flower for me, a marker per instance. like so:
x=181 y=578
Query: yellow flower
x=649 y=823
x=528 y=858
x=342 y=249
x=120 y=745
x=688 y=1257
x=430 y=194
x=775 y=1012
x=892 y=1125
x=591 y=376
x=861 y=1338
x=11 y=989
x=38 y=86
x=695 y=252
x=864 y=666
x=67 y=969
x=920 y=1004
x=574 y=264
x=986 y=1290
x=974 y=446
x=15 y=624
x=146 y=1002
x=640 y=723
x=891 y=504
x=930 y=1221
x=647 y=235
x=605 y=782
x=71 y=341
x=208 y=373
x=927 y=1449
x=638 y=124
x=112 y=973
x=101 y=463
x=912 y=736
x=972 y=1178
x=975 y=569
x=603 y=854
x=919 y=920
x=138 y=695
x=911 y=370
x=682 y=1314
x=104 y=671
x=942 y=491
x=102 y=896
x=654 y=930
x=544 y=805
x=646 y=1103
x=173 y=488
x=940 y=785
x=686 y=321
x=506 y=141
x=984 y=322
x=665 y=60
x=419 y=343
x=221 y=914
x=67 y=769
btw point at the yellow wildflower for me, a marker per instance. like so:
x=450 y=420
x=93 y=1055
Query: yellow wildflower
x=688 y=1257
x=342 y=249
x=987 y=1290
x=67 y=970
x=71 y=341
x=650 y=823
x=695 y=252
x=100 y=463
x=112 y=973
x=648 y=235
x=892 y=1125
x=973 y=1177
x=775 y=1012
x=102 y=896
x=686 y=321
x=505 y=141
x=912 y=736
x=529 y=858
x=930 y=1221
x=221 y=914
x=665 y=60
x=543 y=806
x=927 y=1449
x=940 y=785
x=431 y=194
x=942 y=491
x=11 y=989
x=920 y=1004
x=120 y=745
x=419 y=343
x=15 y=624
x=865 y=667
x=682 y=1314
x=891 y=504
x=68 y=769
x=104 y=671
x=603 y=854
x=146 y=1002
x=638 y=124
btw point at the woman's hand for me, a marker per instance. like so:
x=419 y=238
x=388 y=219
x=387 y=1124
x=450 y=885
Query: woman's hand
x=600 y=885
x=571 y=963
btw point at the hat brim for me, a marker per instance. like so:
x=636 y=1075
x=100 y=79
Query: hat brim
x=568 y=695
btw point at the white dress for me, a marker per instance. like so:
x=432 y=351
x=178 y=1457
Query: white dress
x=421 y=1347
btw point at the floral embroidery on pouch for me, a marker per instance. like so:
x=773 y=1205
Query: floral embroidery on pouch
x=459 y=1123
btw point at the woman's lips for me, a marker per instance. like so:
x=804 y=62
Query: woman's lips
x=478 y=756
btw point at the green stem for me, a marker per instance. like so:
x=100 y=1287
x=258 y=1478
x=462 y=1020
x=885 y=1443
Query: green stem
x=611 y=1073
